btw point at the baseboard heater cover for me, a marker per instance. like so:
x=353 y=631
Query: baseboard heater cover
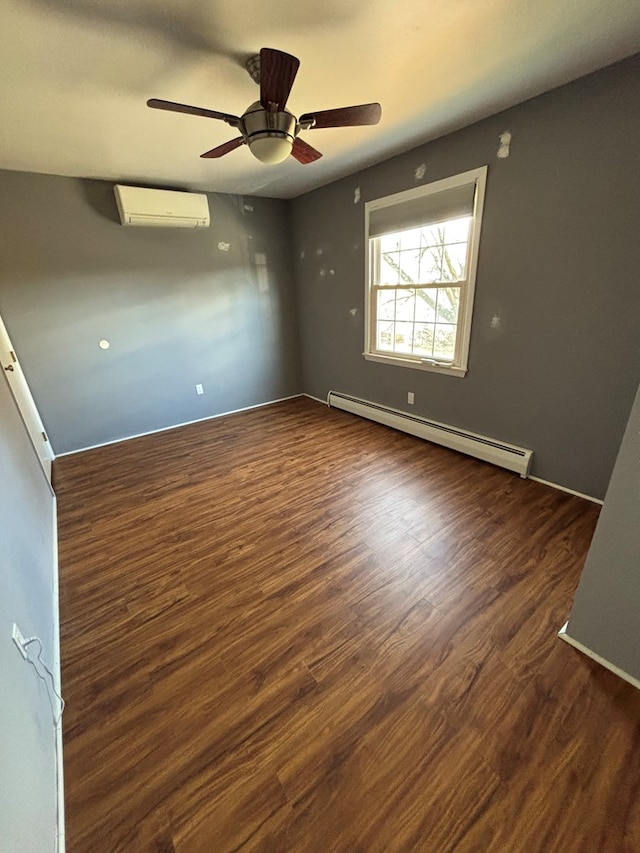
x=507 y=456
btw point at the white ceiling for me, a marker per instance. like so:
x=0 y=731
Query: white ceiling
x=75 y=76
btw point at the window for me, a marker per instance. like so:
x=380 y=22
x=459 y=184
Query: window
x=423 y=251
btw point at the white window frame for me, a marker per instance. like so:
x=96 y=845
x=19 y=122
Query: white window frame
x=459 y=366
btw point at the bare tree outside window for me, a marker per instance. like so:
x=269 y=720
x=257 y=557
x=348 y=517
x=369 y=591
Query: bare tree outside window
x=422 y=260
x=418 y=298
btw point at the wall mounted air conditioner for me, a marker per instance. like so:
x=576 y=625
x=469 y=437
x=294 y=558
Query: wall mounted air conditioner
x=161 y=208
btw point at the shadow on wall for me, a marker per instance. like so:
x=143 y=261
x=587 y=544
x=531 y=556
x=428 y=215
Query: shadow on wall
x=214 y=306
x=76 y=225
x=100 y=197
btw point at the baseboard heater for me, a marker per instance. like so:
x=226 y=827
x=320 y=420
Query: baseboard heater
x=488 y=449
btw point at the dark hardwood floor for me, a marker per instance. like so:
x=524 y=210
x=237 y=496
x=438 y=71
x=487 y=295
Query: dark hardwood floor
x=295 y=630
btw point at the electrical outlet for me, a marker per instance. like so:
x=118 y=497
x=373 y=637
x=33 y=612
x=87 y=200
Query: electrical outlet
x=410 y=398
x=18 y=639
x=199 y=389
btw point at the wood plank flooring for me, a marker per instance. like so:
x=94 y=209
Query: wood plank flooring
x=295 y=630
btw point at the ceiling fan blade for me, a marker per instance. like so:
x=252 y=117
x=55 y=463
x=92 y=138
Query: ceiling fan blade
x=172 y=107
x=277 y=72
x=303 y=152
x=343 y=116
x=221 y=150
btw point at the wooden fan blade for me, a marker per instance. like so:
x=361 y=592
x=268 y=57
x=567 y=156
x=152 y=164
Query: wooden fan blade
x=277 y=72
x=221 y=150
x=344 y=116
x=303 y=152
x=172 y=107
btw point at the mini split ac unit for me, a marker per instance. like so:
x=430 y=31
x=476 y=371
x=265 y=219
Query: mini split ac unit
x=161 y=208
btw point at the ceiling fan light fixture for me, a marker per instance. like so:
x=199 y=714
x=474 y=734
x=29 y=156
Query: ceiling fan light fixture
x=266 y=126
x=271 y=148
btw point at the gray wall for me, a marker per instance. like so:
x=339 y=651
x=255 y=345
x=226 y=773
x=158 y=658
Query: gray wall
x=558 y=260
x=606 y=611
x=27 y=745
x=558 y=263
x=176 y=309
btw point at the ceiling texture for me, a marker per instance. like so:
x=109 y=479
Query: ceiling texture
x=75 y=76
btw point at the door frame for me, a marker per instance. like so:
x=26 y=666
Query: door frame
x=24 y=400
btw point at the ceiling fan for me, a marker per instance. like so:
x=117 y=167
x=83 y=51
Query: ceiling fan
x=270 y=130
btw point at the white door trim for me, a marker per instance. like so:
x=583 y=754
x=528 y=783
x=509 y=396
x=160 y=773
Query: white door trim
x=25 y=402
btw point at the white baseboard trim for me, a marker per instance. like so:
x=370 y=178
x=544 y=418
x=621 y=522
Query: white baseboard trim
x=567 y=490
x=317 y=399
x=562 y=633
x=60 y=843
x=177 y=426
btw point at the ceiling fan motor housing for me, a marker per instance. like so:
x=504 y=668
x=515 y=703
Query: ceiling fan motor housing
x=270 y=135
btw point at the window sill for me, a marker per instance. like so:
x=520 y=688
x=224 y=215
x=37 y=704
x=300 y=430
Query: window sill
x=398 y=361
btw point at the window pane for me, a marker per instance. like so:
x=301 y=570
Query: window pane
x=422 y=278
x=426 y=301
x=423 y=339
x=410 y=266
x=448 y=304
x=384 y=336
x=386 y=309
x=432 y=235
x=454 y=261
x=457 y=230
x=430 y=264
x=403 y=336
x=389 y=268
x=389 y=242
x=405 y=305
x=410 y=239
x=445 y=341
